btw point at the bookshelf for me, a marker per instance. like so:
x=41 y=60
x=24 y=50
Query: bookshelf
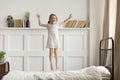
x=40 y=28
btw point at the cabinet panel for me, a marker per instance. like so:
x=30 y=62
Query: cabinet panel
x=75 y=63
x=27 y=50
x=1 y=42
x=36 y=63
x=16 y=62
x=35 y=42
x=15 y=42
x=75 y=42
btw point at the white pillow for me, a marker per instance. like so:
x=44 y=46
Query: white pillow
x=103 y=71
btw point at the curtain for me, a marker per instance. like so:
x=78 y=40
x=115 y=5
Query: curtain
x=105 y=32
x=117 y=43
x=106 y=23
x=114 y=12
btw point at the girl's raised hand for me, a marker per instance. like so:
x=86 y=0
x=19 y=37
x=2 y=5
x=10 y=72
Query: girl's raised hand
x=70 y=15
x=38 y=16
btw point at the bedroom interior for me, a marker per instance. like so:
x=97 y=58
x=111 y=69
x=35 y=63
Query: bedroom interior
x=93 y=21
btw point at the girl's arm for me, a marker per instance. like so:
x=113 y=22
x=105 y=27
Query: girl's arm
x=40 y=24
x=66 y=19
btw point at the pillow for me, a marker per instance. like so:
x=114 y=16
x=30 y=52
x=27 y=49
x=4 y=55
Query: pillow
x=103 y=71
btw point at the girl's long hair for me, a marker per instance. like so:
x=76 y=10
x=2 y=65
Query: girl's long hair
x=51 y=16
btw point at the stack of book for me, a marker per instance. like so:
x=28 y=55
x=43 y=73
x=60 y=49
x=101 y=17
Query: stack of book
x=78 y=24
x=71 y=23
x=18 y=23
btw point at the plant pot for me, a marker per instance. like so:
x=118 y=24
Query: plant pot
x=27 y=23
x=2 y=60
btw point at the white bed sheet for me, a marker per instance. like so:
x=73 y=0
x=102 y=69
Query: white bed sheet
x=89 y=73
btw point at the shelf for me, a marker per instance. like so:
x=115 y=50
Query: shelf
x=42 y=28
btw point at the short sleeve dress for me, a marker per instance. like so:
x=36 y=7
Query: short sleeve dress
x=53 y=37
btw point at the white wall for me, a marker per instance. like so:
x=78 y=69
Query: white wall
x=62 y=8
x=96 y=24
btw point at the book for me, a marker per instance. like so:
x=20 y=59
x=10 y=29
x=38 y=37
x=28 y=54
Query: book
x=87 y=24
x=82 y=24
x=18 y=23
x=78 y=24
x=71 y=23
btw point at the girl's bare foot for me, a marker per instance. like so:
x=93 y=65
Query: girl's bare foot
x=57 y=68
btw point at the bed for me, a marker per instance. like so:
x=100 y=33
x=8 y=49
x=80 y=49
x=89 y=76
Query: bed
x=102 y=72
x=88 y=73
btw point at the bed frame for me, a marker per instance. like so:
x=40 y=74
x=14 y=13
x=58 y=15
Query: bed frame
x=110 y=68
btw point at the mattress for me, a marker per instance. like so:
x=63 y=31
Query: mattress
x=89 y=73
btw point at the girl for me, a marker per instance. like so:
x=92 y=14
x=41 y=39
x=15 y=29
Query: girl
x=53 y=38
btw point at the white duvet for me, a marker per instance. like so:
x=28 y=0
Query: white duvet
x=89 y=73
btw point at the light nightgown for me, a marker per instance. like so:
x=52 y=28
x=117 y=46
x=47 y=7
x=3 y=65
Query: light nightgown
x=53 y=37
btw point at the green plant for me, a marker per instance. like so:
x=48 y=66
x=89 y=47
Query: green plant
x=2 y=54
x=27 y=15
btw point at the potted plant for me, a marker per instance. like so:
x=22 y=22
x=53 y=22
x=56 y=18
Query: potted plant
x=27 y=16
x=2 y=56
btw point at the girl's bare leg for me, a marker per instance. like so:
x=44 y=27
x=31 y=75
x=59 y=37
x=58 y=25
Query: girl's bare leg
x=50 y=57
x=56 y=57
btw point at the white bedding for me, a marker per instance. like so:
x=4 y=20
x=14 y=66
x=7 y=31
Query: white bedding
x=89 y=73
